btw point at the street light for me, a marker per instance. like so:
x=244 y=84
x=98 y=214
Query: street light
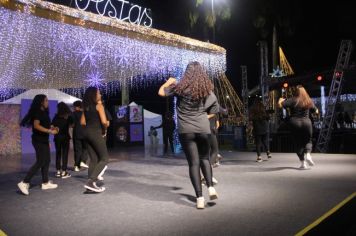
x=214 y=21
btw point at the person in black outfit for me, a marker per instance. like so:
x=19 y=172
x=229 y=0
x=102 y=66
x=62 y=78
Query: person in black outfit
x=260 y=124
x=215 y=157
x=91 y=152
x=38 y=118
x=168 y=126
x=195 y=97
x=62 y=120
x=93 y=118
x=300 y=123
x=79 y=145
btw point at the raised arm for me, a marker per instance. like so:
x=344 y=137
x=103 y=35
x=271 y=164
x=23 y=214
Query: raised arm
x=280 y=101
x=161 y=91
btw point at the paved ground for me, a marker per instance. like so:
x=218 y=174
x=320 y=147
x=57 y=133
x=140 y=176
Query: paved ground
x=153 y=196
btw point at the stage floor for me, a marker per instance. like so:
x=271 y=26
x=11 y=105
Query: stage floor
x=153 y=196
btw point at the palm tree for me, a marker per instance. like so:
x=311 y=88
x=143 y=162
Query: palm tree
x=276 y=17
x=206 y=15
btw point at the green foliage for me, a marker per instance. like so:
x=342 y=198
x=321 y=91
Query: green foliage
x=203 y=11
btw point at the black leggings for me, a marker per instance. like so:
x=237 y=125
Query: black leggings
x=214 y=148
x=96 y=143
x=302 y=132
x=261 y=140
x=62 y=149
x=168 y=138
x=80 y=151
x=43 y=159
x=196 y=148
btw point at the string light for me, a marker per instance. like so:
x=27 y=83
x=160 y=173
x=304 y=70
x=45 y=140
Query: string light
x=67 y=53
x=343 y=98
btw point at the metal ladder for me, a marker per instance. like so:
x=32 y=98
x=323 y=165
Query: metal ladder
x=334 y=95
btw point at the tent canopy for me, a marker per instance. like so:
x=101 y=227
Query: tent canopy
x=52 y=94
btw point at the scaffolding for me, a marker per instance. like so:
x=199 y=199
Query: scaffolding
x=245 y=92
x=334 y=95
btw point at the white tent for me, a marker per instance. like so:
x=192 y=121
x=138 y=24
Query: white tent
x=52 y=94
x=151 y=119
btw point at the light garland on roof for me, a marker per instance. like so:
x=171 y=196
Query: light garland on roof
x=343 y=98
x=65 y=54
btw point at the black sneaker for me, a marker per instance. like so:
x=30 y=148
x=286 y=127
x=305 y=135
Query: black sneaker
x=65 y=175
x=92 y=187
x=58 y=174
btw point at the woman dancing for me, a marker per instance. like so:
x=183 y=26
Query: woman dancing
x=195 y=97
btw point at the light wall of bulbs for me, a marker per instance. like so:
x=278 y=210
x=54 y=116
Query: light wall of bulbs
x=44 y=45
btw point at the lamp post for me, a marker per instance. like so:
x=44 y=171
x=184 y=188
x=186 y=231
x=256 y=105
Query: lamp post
x=213 y=15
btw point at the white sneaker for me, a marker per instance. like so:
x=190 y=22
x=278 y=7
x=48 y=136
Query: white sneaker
x=24 y=187
x=304 y=165
x=200 y=203
x=49 y=185
x=259 y=159
x=100 y=176
x=215 y=181
x=309 y=159
x=82 y=164
x=76 y=169
x=212 y=193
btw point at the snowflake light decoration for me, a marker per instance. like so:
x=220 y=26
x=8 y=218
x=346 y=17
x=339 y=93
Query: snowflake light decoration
x=122 y=56
x=278 y=72
x=87 y=53
x=95 y=79
x=38 y=74
x=60 y=46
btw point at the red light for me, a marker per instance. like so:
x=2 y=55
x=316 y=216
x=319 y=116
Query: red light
x=319 y=78
x=338 y=74
x=285 y=85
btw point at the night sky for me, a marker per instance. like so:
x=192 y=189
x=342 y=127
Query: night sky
x=311 y=42
x=310 y=38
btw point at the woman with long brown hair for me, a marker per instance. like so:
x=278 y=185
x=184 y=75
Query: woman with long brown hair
x=300 y=123
x=195 y=98
x=259 y=118
x=94 y=119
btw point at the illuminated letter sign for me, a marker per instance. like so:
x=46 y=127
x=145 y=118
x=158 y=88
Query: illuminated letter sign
x=118 y=9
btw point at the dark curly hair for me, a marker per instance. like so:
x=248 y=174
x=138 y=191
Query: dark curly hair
x=63 y=109
x=258 y=111
x=195 y=82
x=35 y=107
